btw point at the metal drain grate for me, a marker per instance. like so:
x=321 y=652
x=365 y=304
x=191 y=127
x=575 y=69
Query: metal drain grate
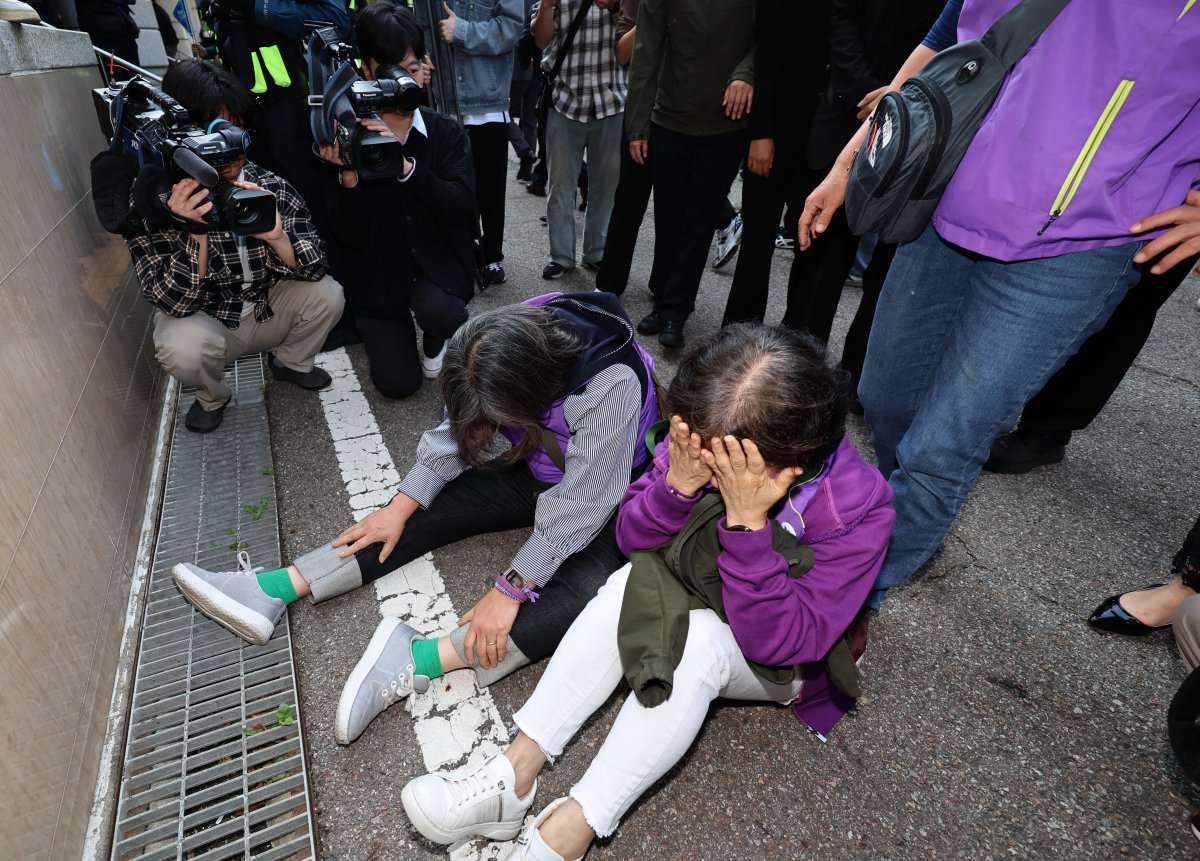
x=214 y=764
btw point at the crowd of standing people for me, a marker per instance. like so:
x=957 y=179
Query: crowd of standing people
x=717 y=534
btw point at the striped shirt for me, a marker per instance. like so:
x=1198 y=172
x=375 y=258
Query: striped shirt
x=603 y=419
x=592 y=84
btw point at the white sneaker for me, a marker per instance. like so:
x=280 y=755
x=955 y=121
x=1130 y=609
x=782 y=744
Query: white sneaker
x=18 y=13
x=481 y=802
x=383 y=676
x=729 y=238
x=232 y=599
x=531 y=846
x=431 y=367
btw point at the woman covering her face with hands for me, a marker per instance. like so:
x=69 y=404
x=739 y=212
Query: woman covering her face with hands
x=756 y=504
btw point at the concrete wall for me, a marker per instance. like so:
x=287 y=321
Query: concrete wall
x=77 y=410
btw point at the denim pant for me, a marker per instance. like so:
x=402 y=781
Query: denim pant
x=959 y=344
x=644 y=743
x=566 y=141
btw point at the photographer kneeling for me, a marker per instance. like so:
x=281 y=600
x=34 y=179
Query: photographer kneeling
x=221 y=296
x=407 y=237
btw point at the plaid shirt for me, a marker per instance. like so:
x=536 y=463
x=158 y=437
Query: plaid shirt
x=592 y=84
x=166 y=262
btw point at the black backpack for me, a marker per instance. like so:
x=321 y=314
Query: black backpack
x=919 y=134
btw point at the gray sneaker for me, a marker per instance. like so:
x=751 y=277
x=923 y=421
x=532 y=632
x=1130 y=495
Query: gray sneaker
x=232 y=599
x=481 y=801
x=384 y=675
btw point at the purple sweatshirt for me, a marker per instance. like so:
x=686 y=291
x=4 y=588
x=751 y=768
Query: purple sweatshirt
x=778 y=620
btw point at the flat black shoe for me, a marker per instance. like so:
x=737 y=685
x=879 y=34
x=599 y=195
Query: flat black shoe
x=200 y=420
x=553 y=271
x=650 y=324
x=1021 y=450
x=314 y=380
x=1110 y=616
x=671 y=334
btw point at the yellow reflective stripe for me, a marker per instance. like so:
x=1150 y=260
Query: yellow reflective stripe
x=260 y=83
x=1186 y=7
x=1084 y=161
x=275 y=65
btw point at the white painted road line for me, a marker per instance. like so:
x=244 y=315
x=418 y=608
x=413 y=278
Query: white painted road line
x=456 y=724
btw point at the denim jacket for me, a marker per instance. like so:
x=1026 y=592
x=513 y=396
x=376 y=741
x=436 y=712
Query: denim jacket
x=484 y=40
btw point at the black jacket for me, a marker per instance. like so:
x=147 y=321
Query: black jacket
x=791 y=57
x=393 y=230
x=869 y=40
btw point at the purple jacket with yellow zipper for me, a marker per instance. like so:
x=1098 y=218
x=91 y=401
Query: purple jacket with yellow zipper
x=1097 y=127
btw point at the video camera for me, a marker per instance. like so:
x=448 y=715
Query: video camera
x=339 y=97
x=146 y=124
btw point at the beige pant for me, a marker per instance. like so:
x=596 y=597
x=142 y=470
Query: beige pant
x=196 y=349
x=1186 y=627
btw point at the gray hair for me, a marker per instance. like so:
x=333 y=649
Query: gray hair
x=505 y=367
x=769 y=384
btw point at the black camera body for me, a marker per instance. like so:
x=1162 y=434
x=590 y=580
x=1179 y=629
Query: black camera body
x=339 y=97
x=151 y=128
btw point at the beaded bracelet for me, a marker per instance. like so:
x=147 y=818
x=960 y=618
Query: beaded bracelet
x=522 y=594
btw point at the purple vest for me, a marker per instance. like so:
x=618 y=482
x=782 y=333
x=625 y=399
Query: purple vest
x=1094 y=129
x=540 y=464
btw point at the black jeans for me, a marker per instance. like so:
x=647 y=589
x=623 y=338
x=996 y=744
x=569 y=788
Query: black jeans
x=1077 y=393
x=629 y=209
x=392 y=344
x=692 y=175
x=522 y=107
x=854 y=351
x=496 y=499
x=489 y=151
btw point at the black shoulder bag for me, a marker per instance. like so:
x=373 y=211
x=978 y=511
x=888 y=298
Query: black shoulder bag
x=919 y=134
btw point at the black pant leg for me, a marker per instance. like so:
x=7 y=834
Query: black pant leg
x=763 y=200
x=391 y=347
x=692 y=175
x=541 y=625
x=1077 y=393
x=479 y=501
x=629 y=210
x=854 y=351
x=438 y=313
x=489 y=149
x=818 y=276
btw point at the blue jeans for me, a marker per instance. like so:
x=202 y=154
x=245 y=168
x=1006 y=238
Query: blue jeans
x=960 y=343
x=566 y=140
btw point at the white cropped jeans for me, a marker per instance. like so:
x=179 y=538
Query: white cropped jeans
x=643 y=743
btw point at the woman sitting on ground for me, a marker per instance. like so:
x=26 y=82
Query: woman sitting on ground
x=562 y=378
x=762 y=512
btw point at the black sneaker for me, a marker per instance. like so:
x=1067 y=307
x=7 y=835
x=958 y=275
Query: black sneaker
x=671 y=334
x=552 y=271
x=1021 y=450
x=493 y=273
x=650 y=324
x=200 y=420
x=590 y=266
x=313 y=380
x=525 y=171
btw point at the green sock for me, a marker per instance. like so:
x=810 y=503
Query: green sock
x=278 y=584
x=426 y=659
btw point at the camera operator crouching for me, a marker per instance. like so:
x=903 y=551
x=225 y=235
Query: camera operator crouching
x=220 y=296
x=407 y=236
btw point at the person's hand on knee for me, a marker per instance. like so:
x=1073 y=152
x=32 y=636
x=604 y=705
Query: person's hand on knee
x=384 y=526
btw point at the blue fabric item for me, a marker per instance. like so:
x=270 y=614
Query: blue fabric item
x=288 y=16
x=945 y=29
x=485 y=41
x=960 y=343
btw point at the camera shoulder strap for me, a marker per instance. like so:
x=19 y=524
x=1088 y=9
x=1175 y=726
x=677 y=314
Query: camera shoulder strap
x=568 y=40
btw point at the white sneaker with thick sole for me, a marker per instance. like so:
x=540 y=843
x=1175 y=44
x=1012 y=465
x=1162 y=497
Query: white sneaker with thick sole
x=531 y=846
x=16 y=12
x=232 y=599
x=431 y=367
x=729 y=238
x=480 y=802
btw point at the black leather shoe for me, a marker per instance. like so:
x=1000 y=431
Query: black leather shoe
x=314 y=380
x=200 y=420
x=671 y=334
x=1110 y=616
x=1021 y=450
x=650 y=324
